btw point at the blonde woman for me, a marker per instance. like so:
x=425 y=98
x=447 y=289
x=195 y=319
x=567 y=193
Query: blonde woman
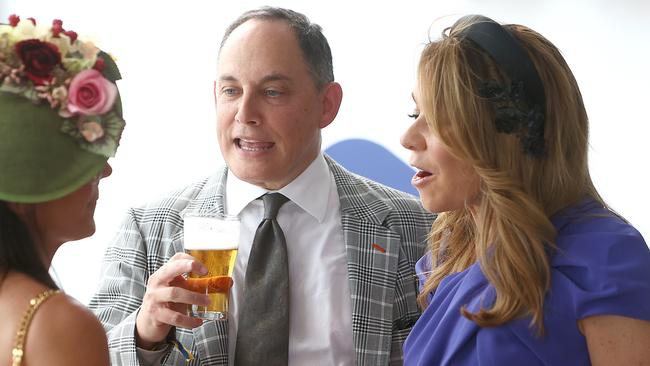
x=60 y=121
x=527 y=264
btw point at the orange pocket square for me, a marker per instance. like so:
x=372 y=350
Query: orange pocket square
x=377 y=247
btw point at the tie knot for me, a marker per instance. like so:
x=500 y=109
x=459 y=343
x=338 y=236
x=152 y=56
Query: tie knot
x=272 y=204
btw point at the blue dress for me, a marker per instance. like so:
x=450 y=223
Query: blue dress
x=602 y=266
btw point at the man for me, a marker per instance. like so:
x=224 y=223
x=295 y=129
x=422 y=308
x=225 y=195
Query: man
x=352 y=243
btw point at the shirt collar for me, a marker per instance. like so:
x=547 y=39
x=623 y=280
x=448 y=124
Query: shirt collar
x=310 y=190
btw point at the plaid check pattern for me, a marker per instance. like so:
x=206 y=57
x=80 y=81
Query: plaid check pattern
x=382 y=283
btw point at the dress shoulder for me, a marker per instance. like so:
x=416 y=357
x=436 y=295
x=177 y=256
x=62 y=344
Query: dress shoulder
x=602 y=264
x=18 y=350
x=64 y=332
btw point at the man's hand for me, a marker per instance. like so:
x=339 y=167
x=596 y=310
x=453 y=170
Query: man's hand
x=165 y=301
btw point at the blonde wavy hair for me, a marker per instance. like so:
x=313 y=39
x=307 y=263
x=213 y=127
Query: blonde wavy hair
x=508 y=230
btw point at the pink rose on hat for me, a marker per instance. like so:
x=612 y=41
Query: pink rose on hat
x=91 y=94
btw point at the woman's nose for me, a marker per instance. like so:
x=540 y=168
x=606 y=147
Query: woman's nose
x=408 y=139
x=108 y=170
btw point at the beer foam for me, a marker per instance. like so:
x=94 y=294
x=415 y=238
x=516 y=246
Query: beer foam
x=210 y=233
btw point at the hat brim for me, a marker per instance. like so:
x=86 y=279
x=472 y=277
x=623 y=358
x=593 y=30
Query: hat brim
x=38 y=162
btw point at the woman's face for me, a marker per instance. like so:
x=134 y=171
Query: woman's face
x=64 y=219
x=445 y=183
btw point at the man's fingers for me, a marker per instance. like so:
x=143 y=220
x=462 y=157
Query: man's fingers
x=177 y=319
x=178 y=281
x=176 y=267
x=180 y=255
x=198 y=268
x=181 y=296
x=204 y=285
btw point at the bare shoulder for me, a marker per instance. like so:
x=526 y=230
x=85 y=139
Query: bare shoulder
x=617 y=340
x=64 y=332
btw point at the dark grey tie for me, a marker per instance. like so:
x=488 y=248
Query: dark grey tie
x=263 y=329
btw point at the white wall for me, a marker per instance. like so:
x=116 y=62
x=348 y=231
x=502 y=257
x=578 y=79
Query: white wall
x=167 y=55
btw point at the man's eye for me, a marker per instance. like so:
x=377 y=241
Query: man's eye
x=272 y=93
x=229 y=91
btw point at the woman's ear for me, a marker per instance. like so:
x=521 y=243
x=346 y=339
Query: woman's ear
x=20 y=209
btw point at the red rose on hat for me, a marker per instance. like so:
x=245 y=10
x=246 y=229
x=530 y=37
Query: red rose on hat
x=72 y=35
x=14 y=20
x=39 y=58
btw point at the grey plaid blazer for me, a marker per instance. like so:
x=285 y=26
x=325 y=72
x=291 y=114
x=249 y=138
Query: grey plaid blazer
x=382 y=284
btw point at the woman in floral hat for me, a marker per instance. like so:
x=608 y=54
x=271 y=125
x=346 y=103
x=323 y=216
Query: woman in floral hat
x=60 y=121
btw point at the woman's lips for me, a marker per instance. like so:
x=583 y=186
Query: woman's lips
x=421 y=178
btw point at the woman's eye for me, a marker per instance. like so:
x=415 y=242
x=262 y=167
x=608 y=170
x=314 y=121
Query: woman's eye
x=414 y=115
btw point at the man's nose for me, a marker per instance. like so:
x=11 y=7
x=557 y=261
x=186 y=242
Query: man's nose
x=248 y=111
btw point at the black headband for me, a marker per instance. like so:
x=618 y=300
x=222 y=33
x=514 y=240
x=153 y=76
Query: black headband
x=513 y=114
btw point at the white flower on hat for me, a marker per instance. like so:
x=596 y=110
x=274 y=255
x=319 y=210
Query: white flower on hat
x=92 y=131
x=26 y=29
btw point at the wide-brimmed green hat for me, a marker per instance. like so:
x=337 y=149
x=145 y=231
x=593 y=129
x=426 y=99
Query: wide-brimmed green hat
x=59 y=123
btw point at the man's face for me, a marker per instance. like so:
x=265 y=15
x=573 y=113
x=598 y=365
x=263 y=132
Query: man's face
x=269 y=112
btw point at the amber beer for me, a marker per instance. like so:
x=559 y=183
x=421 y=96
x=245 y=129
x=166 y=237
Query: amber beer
x=214 y=242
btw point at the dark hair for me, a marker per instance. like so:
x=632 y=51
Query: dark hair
x=313 y=43
x=18 y=251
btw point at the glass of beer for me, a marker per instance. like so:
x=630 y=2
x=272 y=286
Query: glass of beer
x=213 y=241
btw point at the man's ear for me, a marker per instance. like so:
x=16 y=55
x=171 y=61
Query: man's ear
x=332 y=96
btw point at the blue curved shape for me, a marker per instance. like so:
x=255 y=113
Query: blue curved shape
x=373 y=161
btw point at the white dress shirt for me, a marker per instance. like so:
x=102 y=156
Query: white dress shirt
x=320 y=329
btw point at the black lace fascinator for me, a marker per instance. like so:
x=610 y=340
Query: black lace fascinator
x=519 y=107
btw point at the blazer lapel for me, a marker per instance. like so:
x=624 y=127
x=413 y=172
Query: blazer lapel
x=211 y=198
x=373 y=253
